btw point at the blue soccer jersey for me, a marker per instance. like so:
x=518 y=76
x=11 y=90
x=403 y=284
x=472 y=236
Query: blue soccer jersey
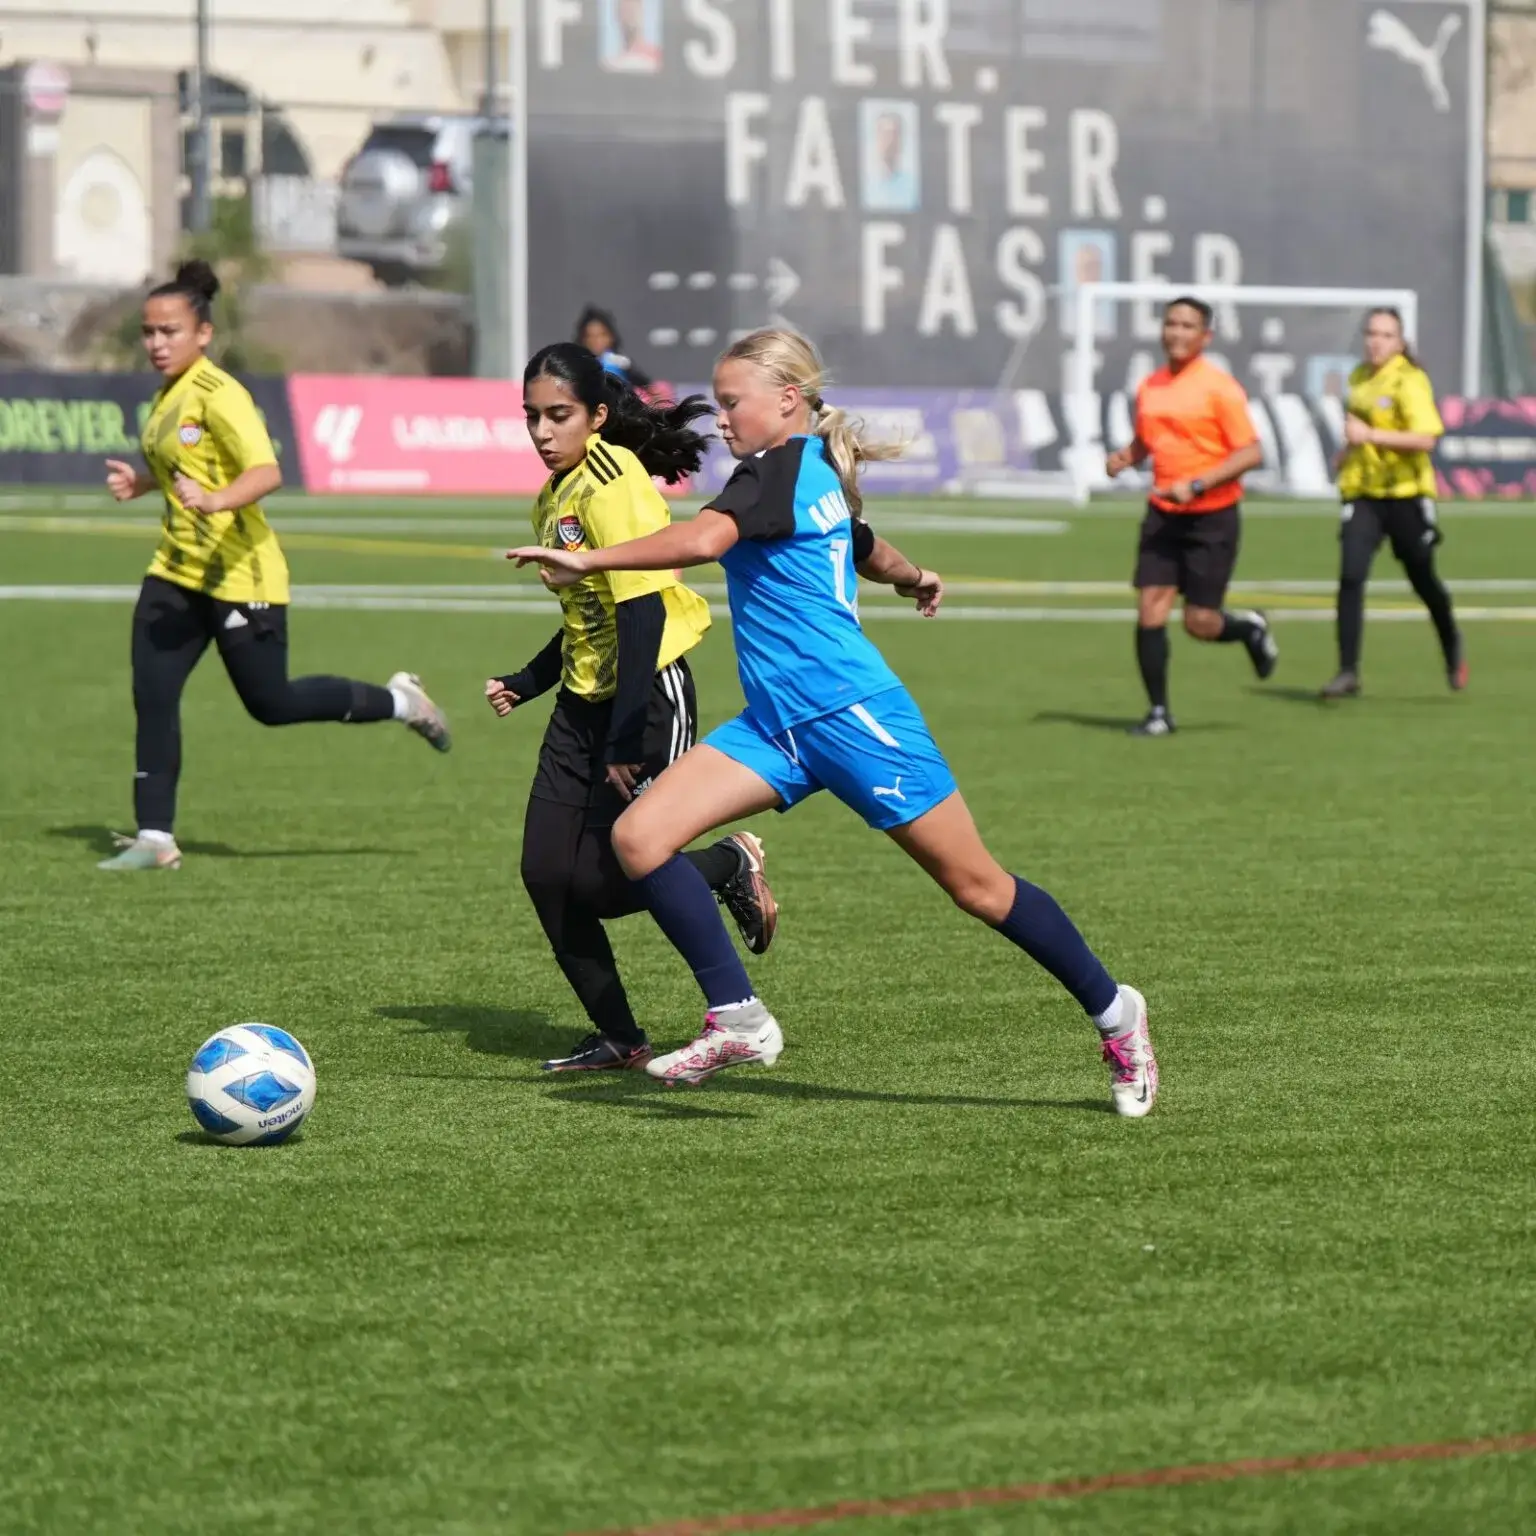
x=794 y=590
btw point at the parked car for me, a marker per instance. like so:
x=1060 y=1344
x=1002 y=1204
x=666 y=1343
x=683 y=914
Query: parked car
x=404 y=192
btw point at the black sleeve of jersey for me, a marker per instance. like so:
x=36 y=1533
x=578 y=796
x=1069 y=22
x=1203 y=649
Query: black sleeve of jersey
x=541 y=674
x=863 y=541
x=639 y=624
x=760 y=496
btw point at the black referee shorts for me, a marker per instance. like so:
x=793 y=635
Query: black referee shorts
x=571 y=769
x=1195 y=552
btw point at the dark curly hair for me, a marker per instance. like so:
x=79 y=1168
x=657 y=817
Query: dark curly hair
x=660 y=434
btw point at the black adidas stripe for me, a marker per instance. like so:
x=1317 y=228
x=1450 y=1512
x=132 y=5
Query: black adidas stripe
x=604 y=467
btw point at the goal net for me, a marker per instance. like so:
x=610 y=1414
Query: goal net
x=1292 y=349
x=1044 y=428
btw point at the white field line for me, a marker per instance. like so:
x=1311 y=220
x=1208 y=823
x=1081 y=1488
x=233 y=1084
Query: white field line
x=511 y=528
x=516 y=590
x=375 y=601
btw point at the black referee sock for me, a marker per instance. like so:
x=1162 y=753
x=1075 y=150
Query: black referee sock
x=1152 y=657
x=1237 y=628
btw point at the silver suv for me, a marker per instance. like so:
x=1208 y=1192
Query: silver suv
x=403 y=192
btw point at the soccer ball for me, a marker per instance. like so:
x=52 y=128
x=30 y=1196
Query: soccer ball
x=251 y=1085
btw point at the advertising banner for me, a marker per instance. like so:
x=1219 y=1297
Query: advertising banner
x=952 y=440
x=426 y=437
x=461 y=437
x=59 y=428
x=1489 y=449
x=922 y=186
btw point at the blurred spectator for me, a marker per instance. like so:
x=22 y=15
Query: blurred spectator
x=598 y=332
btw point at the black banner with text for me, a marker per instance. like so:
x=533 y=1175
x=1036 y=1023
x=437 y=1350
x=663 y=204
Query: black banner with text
x=922 y=184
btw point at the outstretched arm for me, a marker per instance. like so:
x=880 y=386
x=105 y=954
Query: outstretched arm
x=699 y=542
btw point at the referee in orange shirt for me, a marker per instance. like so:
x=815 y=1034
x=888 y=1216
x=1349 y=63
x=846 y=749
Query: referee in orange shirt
x=1192 y=422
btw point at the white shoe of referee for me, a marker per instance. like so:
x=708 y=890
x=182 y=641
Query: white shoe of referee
x=732 y=1037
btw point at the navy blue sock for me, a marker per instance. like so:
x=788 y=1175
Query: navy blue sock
x=684 y=908
x=1048 y=936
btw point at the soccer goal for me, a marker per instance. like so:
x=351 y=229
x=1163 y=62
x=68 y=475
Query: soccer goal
x=1295 y=374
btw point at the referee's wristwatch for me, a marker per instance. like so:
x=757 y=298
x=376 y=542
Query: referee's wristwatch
x=1197 y=487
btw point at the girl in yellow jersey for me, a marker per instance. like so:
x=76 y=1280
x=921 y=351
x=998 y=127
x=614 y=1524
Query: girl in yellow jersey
x=1387 y=482
x=625 y=708
x=218 y=576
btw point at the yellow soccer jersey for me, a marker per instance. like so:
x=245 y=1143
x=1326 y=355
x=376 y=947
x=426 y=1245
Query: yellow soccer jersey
x=206 y=426
x=1398 y=397
x=607 y=499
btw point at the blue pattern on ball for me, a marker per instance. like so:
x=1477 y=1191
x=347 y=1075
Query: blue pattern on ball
x=280 y=1039
x=264 y=1092
x=282 y=1133
x=211 y=1120
x=215 y=1053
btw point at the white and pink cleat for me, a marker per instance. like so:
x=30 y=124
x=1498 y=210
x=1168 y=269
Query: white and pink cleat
x=1132 y=1064
x=733 y=1037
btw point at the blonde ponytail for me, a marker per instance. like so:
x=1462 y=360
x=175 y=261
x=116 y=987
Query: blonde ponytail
x=788 y=358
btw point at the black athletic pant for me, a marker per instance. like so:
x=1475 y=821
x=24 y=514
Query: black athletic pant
x=576 y=883
x=172 y=627
x=572 y=874
x=1411 y=526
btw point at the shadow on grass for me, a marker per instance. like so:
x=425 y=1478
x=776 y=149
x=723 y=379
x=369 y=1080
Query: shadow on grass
x=489 y=1031
x=1121 y=724
x=1312 y=696
x=203 y=1139
x=99 y=840
x=637 y=1092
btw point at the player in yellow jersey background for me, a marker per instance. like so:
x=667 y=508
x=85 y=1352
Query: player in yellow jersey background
x=626 y=706
x=218 y=576
x=1387 y=484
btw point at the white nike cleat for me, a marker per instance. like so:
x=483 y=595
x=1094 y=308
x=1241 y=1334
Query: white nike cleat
x=738 y=1037
x=141 y=853
x=422 y=715
x=1132 y=1064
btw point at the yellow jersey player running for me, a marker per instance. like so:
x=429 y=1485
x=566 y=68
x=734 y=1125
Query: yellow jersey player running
x=1387 y=487
x=626 y=707
x=218 y=576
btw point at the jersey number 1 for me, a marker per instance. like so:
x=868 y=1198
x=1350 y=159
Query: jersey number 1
x=839 y=550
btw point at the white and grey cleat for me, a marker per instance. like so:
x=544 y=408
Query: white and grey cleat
x=422 y=715
x=1132 y=1062
x=736 y=1037
x=135 y=853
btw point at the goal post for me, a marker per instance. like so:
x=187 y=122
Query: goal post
x=1083 y=406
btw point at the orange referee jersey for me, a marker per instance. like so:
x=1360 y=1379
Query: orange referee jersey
x=1190 y=422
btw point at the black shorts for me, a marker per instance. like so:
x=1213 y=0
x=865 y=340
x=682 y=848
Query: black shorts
x=571 y=768
x=172 y=616
x=1410 y=523
x=1193 y=551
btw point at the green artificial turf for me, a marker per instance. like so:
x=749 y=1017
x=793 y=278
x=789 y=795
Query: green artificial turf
x=919 y=1254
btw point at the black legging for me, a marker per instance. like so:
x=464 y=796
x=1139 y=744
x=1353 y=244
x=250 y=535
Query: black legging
x=576 y=882
x=172 y=627
x=1410 y=525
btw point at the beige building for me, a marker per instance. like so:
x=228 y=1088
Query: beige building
x=94 y=95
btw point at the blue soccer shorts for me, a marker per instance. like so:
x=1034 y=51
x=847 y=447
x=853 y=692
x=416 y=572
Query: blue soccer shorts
x=878 y=757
